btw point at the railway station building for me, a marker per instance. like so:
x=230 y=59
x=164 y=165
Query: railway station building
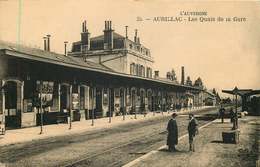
x=107 y=75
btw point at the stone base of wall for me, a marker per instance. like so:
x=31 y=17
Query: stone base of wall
x=28 y=119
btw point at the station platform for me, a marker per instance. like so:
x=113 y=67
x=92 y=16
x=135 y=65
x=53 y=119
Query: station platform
x=33 y=133
x=210 y=150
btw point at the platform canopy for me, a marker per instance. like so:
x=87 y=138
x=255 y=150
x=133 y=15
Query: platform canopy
x=242 y=92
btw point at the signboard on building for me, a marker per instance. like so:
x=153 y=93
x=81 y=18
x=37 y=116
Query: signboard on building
x=45 y=91
x=75 y=101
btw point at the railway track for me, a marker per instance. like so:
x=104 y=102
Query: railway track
x=74 y=163
x=138 y=139
x=153 y=140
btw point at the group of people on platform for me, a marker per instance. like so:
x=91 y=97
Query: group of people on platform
x=232 y=116
x=172 y=128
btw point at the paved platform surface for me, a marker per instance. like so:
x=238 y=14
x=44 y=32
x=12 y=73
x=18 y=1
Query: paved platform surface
x=210 y=150
x=28 y=134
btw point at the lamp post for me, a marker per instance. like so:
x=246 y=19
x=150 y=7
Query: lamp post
x=92 y=105
x=110 y=103
x=41 y=109
x=236 y=116
x=70 y=106
x=2 y=121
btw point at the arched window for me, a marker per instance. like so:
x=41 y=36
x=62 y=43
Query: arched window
x=143 y=71
x=148 y=72
x=132 y=68
x=137 y=69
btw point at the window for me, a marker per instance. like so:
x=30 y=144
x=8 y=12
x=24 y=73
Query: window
x=142 y=73
x=132 y=68
x=139 y=70
x=136 y=69
x=148 y=72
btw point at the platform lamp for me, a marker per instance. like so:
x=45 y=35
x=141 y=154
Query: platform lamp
x=70 y=106
x=110 y=101
x=2 y=122
x=124 y=102
x=134 y=106
x=41 y=108
x=92 y=105
x=235 y=91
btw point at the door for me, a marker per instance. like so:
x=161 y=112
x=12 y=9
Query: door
x=112 y=107
x=12 y=114
x=98 y=112
x=64 y=95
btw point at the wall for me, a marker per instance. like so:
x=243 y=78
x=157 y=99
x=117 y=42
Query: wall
x=116 y=62
x=137 y=60
x=28 y=119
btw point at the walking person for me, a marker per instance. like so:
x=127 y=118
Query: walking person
x=172 y=138
x=222 y=113
x=192 y=130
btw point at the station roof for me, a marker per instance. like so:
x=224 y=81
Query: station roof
x=210 y=93
x=40 y=55
x=242 y=92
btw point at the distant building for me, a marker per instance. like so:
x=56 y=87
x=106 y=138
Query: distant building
x=188 y=81
x=115 y=51
x=171 y=75
x=210 y=99
x=198 y=83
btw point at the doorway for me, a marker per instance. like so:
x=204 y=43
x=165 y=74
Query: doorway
x=12 y=113
x=64 y=98
x=99 y=109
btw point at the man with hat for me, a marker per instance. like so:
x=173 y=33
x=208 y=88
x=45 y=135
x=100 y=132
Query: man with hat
x=172 y=129
x=192 y=130
x=222 y=113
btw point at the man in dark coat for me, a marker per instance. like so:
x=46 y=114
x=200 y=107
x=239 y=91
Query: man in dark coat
x=172 y=129
x=222 y=113
x=193 y=130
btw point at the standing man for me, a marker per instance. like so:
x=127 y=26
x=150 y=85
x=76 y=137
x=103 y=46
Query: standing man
x=193 y=130
x=222 y=113
x=172 y=129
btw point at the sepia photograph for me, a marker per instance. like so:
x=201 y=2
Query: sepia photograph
x=129 y=83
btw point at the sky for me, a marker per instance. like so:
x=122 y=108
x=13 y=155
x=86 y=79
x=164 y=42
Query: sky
x=223 y=54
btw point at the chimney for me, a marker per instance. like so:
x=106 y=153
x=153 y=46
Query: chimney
x=135 y=38
x=48 y=43
x=156 y=74
x=45 y=43
x=65 y=48
x=126 y=35
x=108 y=35
x=182 y=75
x=85 y=37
